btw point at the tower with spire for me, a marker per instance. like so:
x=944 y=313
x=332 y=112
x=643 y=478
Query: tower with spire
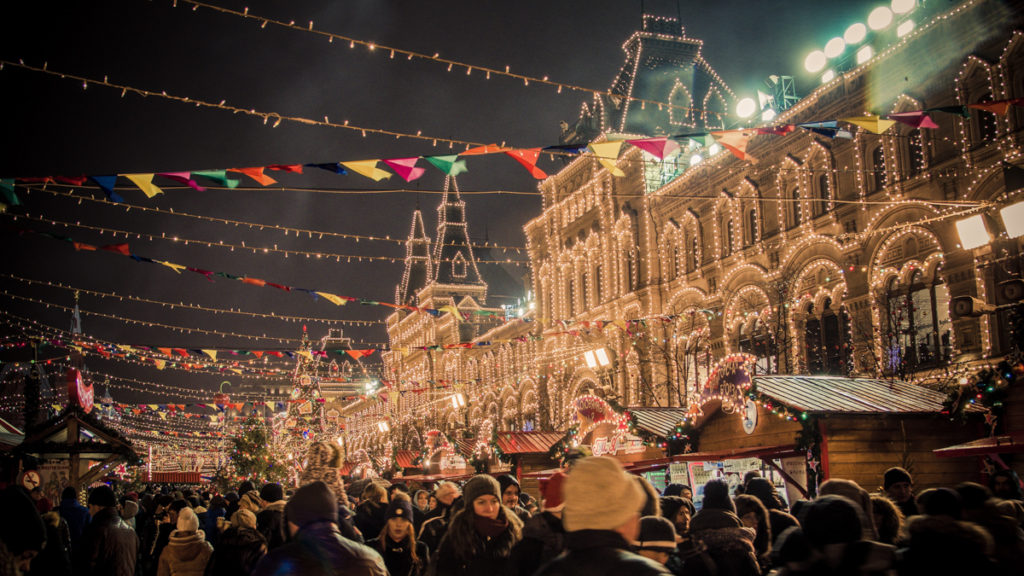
x=418 y=263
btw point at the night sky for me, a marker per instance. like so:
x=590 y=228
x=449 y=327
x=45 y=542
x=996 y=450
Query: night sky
x=52 y=126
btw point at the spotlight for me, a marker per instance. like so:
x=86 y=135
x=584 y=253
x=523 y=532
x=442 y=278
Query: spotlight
x=855 y=33
x=880 y=18
x=835 y=47
x=746 y=108
x=815 y=61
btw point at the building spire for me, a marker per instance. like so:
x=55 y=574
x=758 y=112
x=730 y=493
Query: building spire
x=418 y=264
x=454 y=262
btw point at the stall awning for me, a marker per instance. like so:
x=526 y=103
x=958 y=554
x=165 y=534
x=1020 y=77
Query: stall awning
x=346 y=468
x=1006 y=444
x=836 y=394
x=528 y=442
x=431 y=477
x=405 y=458
x=763 y=452
x=658 y=421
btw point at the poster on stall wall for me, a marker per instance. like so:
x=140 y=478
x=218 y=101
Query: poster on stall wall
x=796 y=467
x=700 y=473
x=54 y=477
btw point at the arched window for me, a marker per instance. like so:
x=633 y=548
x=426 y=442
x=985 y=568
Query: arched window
x=821 y=204
x=692 y=255
x=986 y=121
x=751 y=227
x=918 y=324
x=794 y=208
x=915 y=154
x=728 y=238
x=755 y=339
x=877 y=168
x=812 y=342
x=826 y=344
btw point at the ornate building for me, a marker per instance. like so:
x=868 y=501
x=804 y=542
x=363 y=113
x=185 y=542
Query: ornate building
x=834 y=253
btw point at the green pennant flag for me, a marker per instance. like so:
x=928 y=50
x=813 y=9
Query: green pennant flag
x=218 y=176
x=7 y=192
x=450 y=165
x=703 y=140
x=958 y=110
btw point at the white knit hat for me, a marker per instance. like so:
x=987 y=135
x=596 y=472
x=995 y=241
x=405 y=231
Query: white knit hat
x=187 y=520
x=599 y=495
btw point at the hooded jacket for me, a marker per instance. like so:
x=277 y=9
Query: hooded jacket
x=186 y=554
x=270 y=522
x=599 y=553
x=108 y=547
x=728 y=542
x=319 y=549
x=238 y=551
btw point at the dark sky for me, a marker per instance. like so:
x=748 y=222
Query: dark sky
x=53 y=126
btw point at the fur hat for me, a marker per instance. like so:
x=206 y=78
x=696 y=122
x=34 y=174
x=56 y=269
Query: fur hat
x=656 y=533
x=322 y=462
x=187 y=520
x=243 y=518
x=895 y=475
x=313 y=502
x=600 y=495
x=103 y=496
x=129 y=509
x=670 y=506
x=481 y=485
x=716 y=496
x=271 y=492
x=551 y=490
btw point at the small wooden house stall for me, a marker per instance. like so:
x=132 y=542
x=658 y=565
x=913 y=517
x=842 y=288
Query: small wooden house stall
x=527 y=452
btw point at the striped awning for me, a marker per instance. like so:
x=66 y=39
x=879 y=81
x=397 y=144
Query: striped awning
x=840 y=395
x=405 y=458
x=658 y=421
x=535 y=442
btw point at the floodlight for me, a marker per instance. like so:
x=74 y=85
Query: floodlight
x=714 y=149
x=828 y=76
x=880 y=18
x=1013 y=219
x=904 y=28
x=602 y=357
x=865 y=54
x=768 y=115
x=834 y=47
x=589 y=357
x=972 y=231
x=745 y=108
x=696 y=159
x=815 y=61
x=903 y=6
x=855 y=33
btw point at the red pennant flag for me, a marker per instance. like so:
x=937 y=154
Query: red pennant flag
x=207 y=273
x=280 y=286
x=256 y=174
x=39 y=180
x=777 y=130
x=406 y=168
x=118 y=248
x=75 y=180
x=82 y=246
x=528 y=158
x=257 y=353
x=254 y=281
x=917 y=119
x=182 y=352
x=357 y=354
x=293 y=168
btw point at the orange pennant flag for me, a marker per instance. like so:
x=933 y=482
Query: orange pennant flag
x=528 y=158
x=999 y=107
x=81 y=246
x=486 y=149
x=736 y=141
x=256 y=174
x=254 y=281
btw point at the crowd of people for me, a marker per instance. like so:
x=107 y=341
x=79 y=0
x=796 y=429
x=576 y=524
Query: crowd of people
x=594 y=518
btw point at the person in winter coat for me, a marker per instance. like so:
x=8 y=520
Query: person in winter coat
x=754 y=515
x=729 y=543
x=108 y=546
x=270 y=520
x=829 y=542
x=657 y=539
x=482 y=535
x=76 y=515
x=510 y=491
x=322 y=462
x=899 y=487
x=397 y=544
x=316 y=547
x=22 y=533
x=690 y=558
x=436 y=524
x=251 y=501
x=778 y=517
x=215 y=514
x=888 y=519
x=543 y=534
x=239 y=548
x=55 y=558
x=187 y=552
x=602 y=519
x=372 y=507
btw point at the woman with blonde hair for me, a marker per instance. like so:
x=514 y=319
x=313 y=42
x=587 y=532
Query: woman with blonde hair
x=397 y=544
x=370 y=514
x=482 y=535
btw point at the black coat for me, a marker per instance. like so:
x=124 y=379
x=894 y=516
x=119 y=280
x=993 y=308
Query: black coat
x=107 y=548
x=371 y=518
x=599 y=553
x=728 y=542
x=238 y=551
x=493 y=556
x=319 y=549
x=543 y=540
x=270 y=522
x=435 y=527
x=398 y=559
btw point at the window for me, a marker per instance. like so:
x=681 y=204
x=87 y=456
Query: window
x=751 y=227
x=826 y=345
x=794 y=208
x=821 y=205
x=918 y=325
x=877 y=169
x=727 y=248
x=459 y=266
x=985 y=121
x=755 y=339
x=915 y=154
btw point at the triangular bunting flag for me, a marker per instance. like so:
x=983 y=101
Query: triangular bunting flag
x=657 y=147
x=293 y=168
x=330 y=167
x=406 y=167
x=528 y=158
x=873 y=124
x=159 y=363
x=305 y=354
x=176 y=267
x=999 y=107
x=450 y=165
x=145 y=183
x=736 y=141
x=824 y=124
x=255 y=281
x=333 y=298
x=107 y=183
x=256 y=173
x=211 y=353
x=917 y=119
x=118 y=248
x=183 y=178
x=367 y=168
x=777 y=130
x=606 y=154
x=218 y=176
x=485 y=149
x=958 y=110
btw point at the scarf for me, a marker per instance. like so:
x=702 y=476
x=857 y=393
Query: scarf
x=488 y=527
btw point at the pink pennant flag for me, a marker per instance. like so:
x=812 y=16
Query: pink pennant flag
x=406 y=168
x=736 y=141
x=183 y=178
x=917 y=119
x=657 y=147
x=528 y=158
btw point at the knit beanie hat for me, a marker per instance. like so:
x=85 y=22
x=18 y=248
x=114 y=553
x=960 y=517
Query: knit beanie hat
x=22 y=528
x=129 y=509
x=940 y=502
x=243 y=519
x=481 y=485
x=103 y=496
x=313 y=502
x=670 y=506
x=895 y=475
x=763 y=490
x=246 y=486
x=831 y=520
x=322 y=461
x=656 y=534
x=551 y=490
x=506 y=480
x=271 y=493
x=716 y=496
x=399 y=508
x=599 y=495
x=187 y=521
x=675 y=489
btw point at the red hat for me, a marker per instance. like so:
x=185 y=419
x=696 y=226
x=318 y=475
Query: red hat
x=551 y=490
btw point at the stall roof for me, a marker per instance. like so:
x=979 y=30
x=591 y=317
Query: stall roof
x=836 y=394
x=405 y=458
x=658 y=421
x=768 y=452
x=1006 y=444
x=536 y=442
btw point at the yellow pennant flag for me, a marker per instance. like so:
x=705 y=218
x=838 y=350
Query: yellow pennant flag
x=176 y=267
x=451 y=309
x=621 y=324
x=607 y=153
x=153 y=407
x=211 y=353
x=873 y=124
x=403 y=351
x=236 y=370
x=145 y=183
x=367 y=168
x=160 y=363
x=125 y=347
x=305 y=354
x=163 y=415
x=333 y=298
